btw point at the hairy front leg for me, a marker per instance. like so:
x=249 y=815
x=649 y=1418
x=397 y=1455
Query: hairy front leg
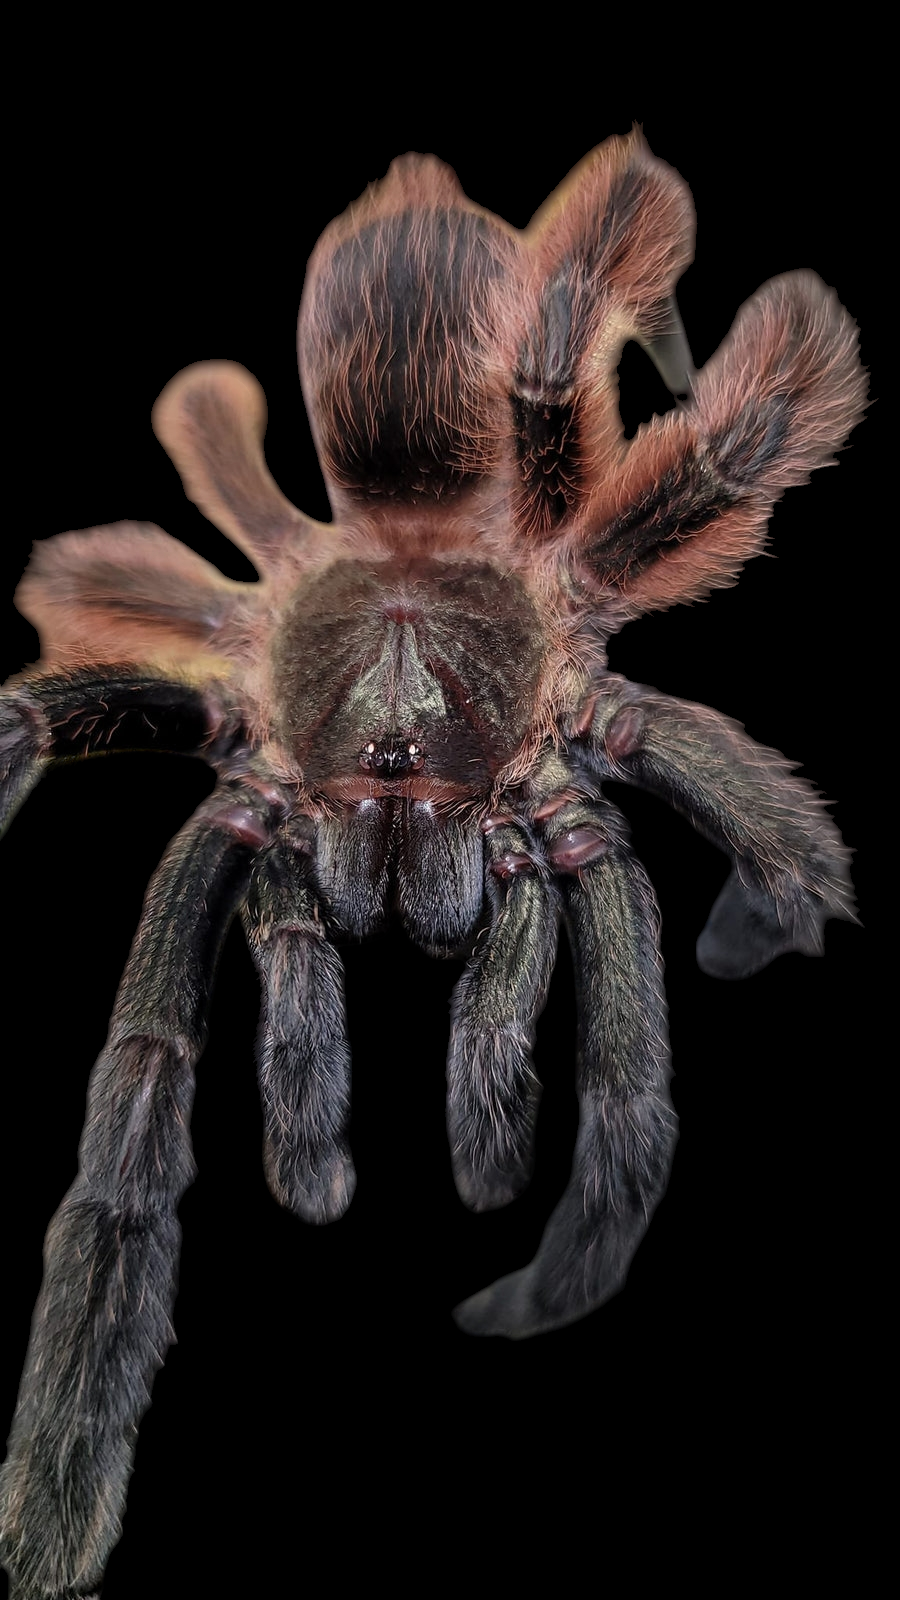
x=627 y=1127
x=303 y=1053
x=492 y=1087
x=791 y=869
x=102 y=1322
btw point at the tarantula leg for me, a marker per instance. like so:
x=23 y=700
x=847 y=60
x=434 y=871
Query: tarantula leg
x=670 y=352
x=627 y=1127
x=78 y=713
x=303 y=1054
x=493 y=1091
x=102 y=1322
x=24 y=742
x=791 y=868
x=684 y=507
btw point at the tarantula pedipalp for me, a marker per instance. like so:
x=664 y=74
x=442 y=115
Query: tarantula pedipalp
x=411 y=713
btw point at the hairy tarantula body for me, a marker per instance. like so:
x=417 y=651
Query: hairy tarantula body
x=411 y=714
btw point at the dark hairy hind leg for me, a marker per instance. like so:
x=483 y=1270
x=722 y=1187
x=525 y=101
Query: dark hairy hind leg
x=303 y=1054
x=627 y=1128
x=102 y=1322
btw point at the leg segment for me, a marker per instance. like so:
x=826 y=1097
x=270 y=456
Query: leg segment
x=303 y=1055
x=71 y=714
x=493 y=1091
x=791 y=868
x=102 y=1321
x=626 y=1133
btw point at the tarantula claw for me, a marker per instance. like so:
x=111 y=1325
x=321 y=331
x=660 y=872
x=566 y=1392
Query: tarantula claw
x=554 y=804
x=577 y=849
x=624 y=733
x=497 y=819
x=513 y=862
x=580 y=724
x=243 y=823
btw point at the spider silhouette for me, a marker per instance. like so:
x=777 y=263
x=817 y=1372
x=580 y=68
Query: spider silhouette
x=410 y=715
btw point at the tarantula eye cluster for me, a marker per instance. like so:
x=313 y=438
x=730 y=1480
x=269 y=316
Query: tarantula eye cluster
x=410 y=715
x=392 y=759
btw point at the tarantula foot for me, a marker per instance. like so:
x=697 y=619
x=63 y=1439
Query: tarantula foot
x=318 y=1189
x=746 y=930
x=513 y=1308
x=499 y=1310
x=19 y=1590
x=489 y=1188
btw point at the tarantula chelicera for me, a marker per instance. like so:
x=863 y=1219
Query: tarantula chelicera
x=410 y=713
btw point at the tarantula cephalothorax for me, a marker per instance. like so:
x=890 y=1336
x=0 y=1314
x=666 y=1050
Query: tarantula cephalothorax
x=411 y=713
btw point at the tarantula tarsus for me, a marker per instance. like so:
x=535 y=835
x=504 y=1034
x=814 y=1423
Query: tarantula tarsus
x=411 y=713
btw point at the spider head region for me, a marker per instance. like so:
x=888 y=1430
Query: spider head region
x=391 y=674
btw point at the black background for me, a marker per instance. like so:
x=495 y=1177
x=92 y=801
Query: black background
x=321 y=1368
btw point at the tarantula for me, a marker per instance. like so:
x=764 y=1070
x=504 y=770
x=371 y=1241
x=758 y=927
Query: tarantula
x=411 y=713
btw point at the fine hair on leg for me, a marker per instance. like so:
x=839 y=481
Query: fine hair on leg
x=303 y=1055
x=627 y=1127
x=103 y=1319
x=493 y=1090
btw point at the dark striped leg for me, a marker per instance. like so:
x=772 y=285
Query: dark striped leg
x=627 y=1128
x=102 y=1322
x=303 y=1054
x=71 y=714
x=493 y=1091
x=791 y=868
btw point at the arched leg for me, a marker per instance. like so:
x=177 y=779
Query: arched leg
x=627 y=1128
x=493 y=1090
x=102 y=1322
x=790 y=866
x=303 y=1053
x=80 y=713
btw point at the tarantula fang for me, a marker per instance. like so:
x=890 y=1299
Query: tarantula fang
x=410 y=713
